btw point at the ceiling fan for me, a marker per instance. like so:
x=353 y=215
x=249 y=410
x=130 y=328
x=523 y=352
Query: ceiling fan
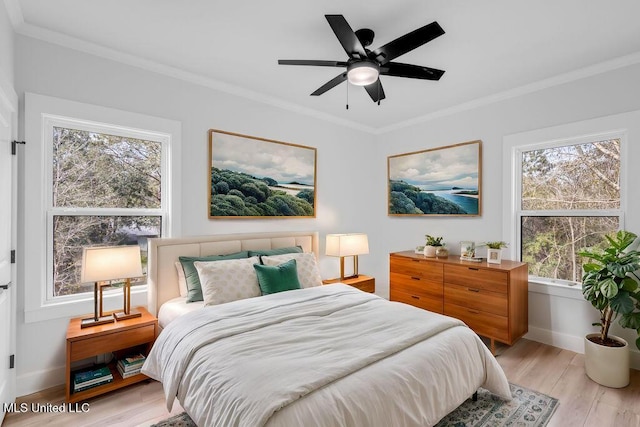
x=364 y=66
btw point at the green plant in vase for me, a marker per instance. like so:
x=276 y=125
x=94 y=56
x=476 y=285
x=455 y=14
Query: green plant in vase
x=431 y=245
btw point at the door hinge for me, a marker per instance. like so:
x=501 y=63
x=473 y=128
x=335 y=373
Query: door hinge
x=13 y=146
x=13 y=256
x=12 y=361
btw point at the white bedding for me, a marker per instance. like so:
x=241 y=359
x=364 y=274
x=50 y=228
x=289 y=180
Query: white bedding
x=330 y=355
x=174 y=308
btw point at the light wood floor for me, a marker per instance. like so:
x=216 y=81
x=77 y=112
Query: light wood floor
x=558 y=373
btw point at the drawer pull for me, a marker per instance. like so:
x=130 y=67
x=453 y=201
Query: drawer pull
x=474 y=268
x=415 y=297
x=473 y=311
x=415 y=278
x=415 y=260
x=473 y=290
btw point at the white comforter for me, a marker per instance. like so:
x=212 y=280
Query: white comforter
x=330 y=356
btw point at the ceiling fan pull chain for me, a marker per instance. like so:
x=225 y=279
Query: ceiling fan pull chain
x=379 y=85
x=347 y=95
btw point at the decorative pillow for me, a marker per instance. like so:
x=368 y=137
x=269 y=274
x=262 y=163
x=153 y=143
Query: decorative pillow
x=278 y=251
x=182 y=282
x=308 y=272
x=194 y=290
x=278 y=278
x=226 y=281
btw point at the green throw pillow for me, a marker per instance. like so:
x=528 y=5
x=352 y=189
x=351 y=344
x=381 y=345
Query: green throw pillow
x=194 y=288
x=279 y=251
x=277 y=278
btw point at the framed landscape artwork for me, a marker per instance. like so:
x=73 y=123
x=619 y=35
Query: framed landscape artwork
x=439 y=181
x=252 y=177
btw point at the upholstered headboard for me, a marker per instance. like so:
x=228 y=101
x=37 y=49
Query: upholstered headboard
x=162 y=278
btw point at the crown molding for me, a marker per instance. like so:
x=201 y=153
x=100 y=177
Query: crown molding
x=602 y=67
x=29 y=30
x=63 y=40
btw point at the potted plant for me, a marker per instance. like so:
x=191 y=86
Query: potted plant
x=431 y=244
x=494 y=251
x=610 y=284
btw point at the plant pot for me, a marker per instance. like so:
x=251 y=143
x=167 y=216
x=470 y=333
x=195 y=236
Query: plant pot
x=494 y=256
x=608 y=366
x=430 y=251
x=442 y=252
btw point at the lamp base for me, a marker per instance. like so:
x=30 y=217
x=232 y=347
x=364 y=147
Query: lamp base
x=91 y=321
x=123 y=316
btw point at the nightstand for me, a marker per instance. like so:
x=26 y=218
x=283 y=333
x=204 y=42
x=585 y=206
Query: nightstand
x=362 y=282
x=121 y=338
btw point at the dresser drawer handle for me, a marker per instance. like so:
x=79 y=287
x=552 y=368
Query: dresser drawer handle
x=415 y=297
x=415 y=260
x=473 y=311
x=474 y=268
x=473 y=289
x=415 y=278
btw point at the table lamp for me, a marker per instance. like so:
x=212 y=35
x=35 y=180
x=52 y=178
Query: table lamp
x=101 y=264
x=343 y=245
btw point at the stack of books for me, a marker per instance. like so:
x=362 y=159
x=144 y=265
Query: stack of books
x=131 y=365
x=94 y=377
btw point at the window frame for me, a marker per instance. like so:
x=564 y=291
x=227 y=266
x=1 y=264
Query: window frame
x=570 y=134
x=41 y=115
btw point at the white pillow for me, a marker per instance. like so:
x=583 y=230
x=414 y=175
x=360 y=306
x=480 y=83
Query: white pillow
x=308 y=272
x=182 y=281
x=228 y=280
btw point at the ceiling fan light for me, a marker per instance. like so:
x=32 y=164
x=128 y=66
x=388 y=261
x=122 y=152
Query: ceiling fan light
x=363 y=73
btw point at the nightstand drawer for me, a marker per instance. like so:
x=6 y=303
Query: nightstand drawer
x=416 y=285
x=483 y=323
x=118 y=340
x=416 y=300
x=476 y=298
x=490 y=280
x=417 y=268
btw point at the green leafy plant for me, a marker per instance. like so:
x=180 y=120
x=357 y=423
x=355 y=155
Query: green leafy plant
x=496 y=245
x=433 y=241
x=610 y=284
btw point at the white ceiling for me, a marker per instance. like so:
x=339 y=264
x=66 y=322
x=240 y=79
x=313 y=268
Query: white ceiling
x=491 y=49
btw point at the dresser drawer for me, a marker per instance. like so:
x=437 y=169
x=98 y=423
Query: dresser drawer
x=420 y=301
x=476 y=298
x=416 y=285
x=483 y=323
x=475 y=277
x=84 y=348
x=417 y=268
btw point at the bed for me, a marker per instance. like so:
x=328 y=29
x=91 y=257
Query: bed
x=322 y=355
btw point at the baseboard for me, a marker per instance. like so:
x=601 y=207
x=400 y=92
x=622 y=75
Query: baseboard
x=572 y=343
x=34 y=382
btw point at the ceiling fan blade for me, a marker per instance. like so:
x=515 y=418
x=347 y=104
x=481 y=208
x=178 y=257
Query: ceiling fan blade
x=346 y=36
x=330 y=84
x=407 y=43
x=375 y=91
x=312 y=62
x=398 y=69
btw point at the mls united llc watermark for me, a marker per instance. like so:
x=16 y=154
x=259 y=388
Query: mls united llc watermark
x=45 y=407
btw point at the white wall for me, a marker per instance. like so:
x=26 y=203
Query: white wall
x=351 y=171
x=6 y=48
x=55 y=71
x=558 y=319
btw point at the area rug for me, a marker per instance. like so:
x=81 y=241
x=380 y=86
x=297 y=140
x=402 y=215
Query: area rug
x=528 y=408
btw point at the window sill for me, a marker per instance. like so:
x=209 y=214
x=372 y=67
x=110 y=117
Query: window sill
x=68 y=309
x=558 y=288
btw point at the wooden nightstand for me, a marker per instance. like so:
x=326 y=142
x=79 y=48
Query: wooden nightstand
x=362 y=282
x=120 y=338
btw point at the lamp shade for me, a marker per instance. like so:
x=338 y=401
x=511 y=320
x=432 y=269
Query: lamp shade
x=347 y=244
x=110 y=263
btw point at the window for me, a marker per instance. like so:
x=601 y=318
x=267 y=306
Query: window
x=105 y=190
x=92 y=176
x=569 y=199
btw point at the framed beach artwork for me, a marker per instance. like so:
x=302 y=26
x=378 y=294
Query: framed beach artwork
x=252 y=177
x=439 y=181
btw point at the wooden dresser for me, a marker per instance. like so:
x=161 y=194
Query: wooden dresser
x=491 y=298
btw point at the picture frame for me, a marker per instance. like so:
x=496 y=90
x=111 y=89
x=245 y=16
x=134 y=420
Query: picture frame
x=442 y=181
x=252 y=177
